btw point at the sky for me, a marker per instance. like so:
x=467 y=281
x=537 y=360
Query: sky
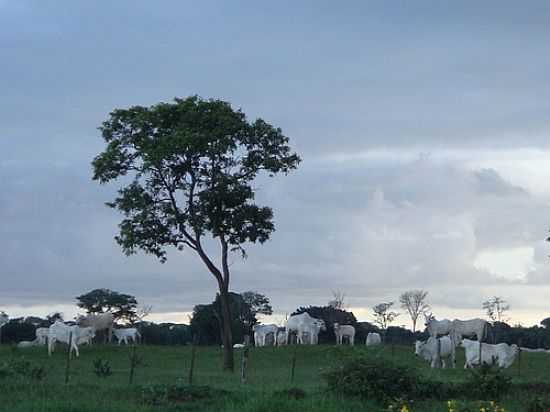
x=423 y=128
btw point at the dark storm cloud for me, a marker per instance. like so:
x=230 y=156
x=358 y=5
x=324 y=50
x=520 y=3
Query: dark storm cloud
x=343 y=81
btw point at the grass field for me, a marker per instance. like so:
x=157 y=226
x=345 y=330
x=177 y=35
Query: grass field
x=268 y=373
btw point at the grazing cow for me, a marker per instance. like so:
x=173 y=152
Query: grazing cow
x=122 y=335
x=262 y=331
x=102 y=321
x=41 y=336
x=344 y=330
x=302 y=324
x=71 y=335
x=428 y=350
x=502 y=354
x=373 y=339
x=26 y=344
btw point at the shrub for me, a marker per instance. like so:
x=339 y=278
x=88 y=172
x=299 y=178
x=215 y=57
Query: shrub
x=21 y=369
x=487 y=382
x=373 y=379
x=102 y=369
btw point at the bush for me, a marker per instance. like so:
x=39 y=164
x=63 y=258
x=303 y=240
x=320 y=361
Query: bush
x=487 y=382
x=22 y=369
x=102 y=369
x=373 y=379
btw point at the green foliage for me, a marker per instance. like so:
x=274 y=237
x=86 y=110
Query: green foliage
x=254 y=304
x=206 y=319
x=121 y=305
x=373 y=379
x=192 y=163
x=21 y=368
x=102 y=369
x=488 y=382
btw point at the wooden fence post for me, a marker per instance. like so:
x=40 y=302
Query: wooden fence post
x=244 y=364
x=68 y=364
x=293 y=364
x=132 y=365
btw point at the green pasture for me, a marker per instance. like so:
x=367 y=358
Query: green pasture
x=268 y=375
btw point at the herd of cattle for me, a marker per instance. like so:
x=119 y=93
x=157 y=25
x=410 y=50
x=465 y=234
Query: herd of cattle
x=440 y=347
x=445 y=336
x=81 y=333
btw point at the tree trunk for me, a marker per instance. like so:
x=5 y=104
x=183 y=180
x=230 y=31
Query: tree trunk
x=227 y=335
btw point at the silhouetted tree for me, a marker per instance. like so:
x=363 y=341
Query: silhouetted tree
x=414 y=302
x=191 y=165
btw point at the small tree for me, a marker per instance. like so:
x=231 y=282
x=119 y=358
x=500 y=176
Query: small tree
x=546 y=323
x=496 y=309
x=191 y=165
x=384 y=316
x=414 y=302
x=121 y=305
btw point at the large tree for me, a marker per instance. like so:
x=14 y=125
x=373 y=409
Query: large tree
x=121 y=305
x=414 y=302
x=188 y=168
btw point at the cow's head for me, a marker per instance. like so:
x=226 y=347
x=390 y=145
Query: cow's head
x=428 y=318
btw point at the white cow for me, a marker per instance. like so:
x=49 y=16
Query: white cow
x=302 y=324
x=428 y=350
x=344 y=330
x=102 y=321
x=262 y=331
x=71 y=335
x=3 y=319
x=373 y=339
x=122 y=335
x=502 y=354
x=42 y=335
x=438 y=328
x=468 y=328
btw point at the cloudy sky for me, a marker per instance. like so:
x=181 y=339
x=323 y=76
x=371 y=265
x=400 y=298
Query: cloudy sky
x=423 y=127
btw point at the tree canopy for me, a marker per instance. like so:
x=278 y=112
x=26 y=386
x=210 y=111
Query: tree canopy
x=121 y=305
